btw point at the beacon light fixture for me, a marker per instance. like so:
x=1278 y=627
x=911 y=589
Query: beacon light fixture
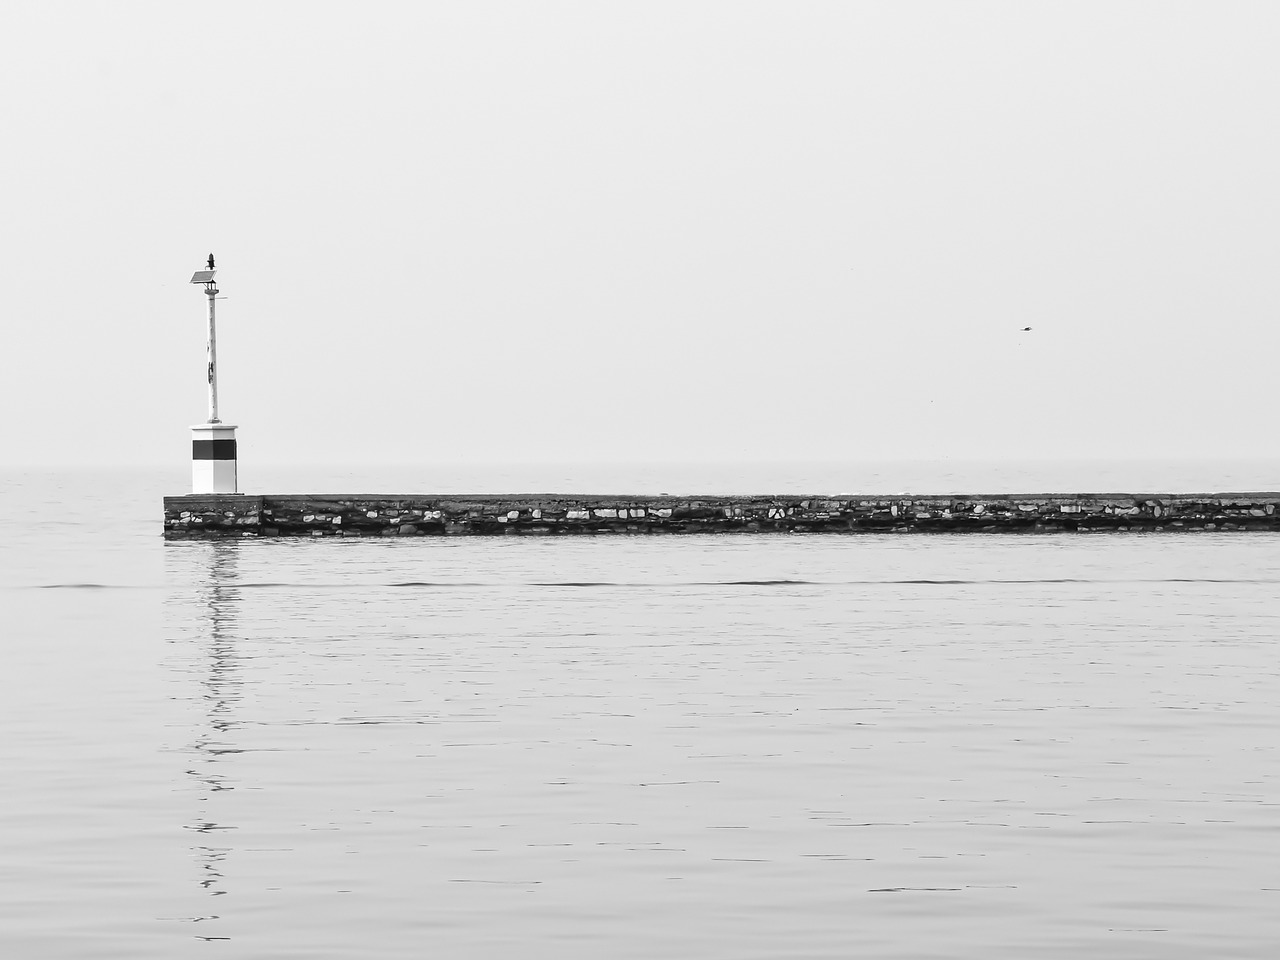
x=213 y=443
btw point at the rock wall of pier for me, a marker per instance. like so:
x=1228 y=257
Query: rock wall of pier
x=555 y=514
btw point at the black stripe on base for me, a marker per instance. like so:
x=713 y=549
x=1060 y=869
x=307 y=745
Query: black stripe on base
x=213 y=449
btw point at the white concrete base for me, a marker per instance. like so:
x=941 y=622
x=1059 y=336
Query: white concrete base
x=213 y=458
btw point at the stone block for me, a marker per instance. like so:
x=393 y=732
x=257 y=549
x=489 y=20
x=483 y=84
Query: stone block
x=216 y=516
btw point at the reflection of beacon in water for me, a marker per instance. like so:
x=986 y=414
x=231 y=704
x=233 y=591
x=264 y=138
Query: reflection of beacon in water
x=216 y=576
x=213 y=444
x=221 y=595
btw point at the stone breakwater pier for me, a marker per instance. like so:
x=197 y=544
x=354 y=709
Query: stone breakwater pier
x=239 y=515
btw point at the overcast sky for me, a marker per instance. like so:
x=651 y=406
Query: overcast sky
x=642 y=231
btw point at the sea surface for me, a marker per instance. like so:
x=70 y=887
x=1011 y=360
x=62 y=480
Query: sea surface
x=749 y=746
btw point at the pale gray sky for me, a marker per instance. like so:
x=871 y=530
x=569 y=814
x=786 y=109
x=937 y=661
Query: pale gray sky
x=635 y=231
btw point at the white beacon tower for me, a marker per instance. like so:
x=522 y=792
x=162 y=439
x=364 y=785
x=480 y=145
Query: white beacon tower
x=213 y=444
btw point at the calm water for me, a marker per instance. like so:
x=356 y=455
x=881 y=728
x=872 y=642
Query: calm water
x=821 y=747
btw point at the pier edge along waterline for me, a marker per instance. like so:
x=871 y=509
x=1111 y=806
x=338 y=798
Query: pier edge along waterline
x=318 y=515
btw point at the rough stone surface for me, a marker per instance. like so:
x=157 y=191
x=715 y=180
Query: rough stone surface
x=229 y=515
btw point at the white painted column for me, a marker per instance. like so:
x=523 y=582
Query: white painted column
x=212 y=351
x=213 y=458
x=213 y=444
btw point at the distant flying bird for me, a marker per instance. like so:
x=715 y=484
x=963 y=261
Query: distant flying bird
x=1024 y=329
x=211 y=267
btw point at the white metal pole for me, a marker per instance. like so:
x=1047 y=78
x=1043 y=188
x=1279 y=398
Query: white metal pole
x=212 y=292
